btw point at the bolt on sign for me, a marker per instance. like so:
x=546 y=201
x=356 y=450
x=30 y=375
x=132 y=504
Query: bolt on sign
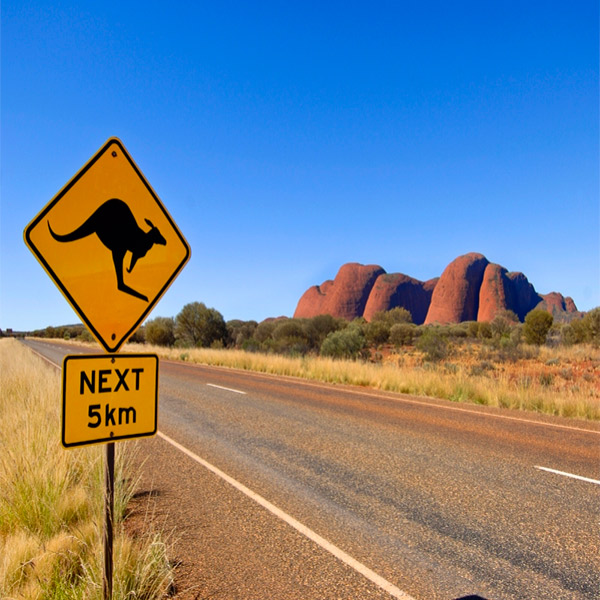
x=108 y=398
x=109 y=245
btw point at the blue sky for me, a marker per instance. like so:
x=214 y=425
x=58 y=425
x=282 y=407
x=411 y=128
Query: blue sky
x=289 y=138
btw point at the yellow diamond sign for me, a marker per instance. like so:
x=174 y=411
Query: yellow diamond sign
x=109 y=244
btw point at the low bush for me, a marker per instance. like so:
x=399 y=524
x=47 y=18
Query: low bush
x=239 y=332
x=160 y=331
x=402 y=334
x=392 y=317
x=536 y=327
x=347 y=343
x=586 y=329
x=433 y=345
x=377 y=333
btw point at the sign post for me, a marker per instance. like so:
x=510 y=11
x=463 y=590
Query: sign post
x=104 y=223
x=109 y=510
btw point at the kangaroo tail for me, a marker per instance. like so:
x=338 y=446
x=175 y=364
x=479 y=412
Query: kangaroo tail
x=82 y=231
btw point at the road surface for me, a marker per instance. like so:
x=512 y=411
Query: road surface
x=280 y=488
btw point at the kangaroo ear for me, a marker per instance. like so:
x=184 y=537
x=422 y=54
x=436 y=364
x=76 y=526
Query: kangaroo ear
x=149 y=222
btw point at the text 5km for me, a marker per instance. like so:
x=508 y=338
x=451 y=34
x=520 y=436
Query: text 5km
x=121 y=418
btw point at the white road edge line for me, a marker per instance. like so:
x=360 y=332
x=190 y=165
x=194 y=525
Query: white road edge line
x=309 y=533
x=220 y=387
x=568 y=475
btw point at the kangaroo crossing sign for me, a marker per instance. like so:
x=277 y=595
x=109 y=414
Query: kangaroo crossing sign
x=109 y=244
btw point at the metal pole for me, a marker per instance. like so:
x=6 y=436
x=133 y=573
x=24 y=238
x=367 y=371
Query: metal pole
x=109 y=500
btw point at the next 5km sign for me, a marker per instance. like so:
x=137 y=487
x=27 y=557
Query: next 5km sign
x=108 y=398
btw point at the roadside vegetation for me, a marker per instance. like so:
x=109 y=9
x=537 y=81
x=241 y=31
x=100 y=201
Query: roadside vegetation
x=539 y=365
x=51 y=499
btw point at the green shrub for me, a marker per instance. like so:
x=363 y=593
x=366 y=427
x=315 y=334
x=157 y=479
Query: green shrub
x=288 y=328
x=500 y=326
x=199 y=326
x=459 y=330
x=160 y=331
x=139 y=335
x=347 y=343
x=484 y=330
x=392 y=317
x=251 y=345
x=85 y=336
x=402 y=334
x=323 y=325
x=291 y=336
x=264 y=330
x=238 y=332
x=536 y=327
x=377 y=332
x=433 y=345
x=472 y=329
x=591 y=323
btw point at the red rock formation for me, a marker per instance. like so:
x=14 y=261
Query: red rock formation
x=456 y=296
x=430 y=284
x=350 y=291
x=558 y=306
x=312 y=301
x=470 y=288
x=345 y=297
x=495 y=294
x=570 y=305
x=398 y=290
x=525 y=298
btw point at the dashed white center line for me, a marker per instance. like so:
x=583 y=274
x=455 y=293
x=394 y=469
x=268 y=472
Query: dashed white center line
x=220 y=387
x=564 y=474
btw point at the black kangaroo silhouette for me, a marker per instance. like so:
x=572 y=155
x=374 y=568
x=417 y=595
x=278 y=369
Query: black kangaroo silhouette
x=116 y=227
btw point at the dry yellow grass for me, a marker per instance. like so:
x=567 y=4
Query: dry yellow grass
x=559 y=381
x=51 y=499
x=562 y=381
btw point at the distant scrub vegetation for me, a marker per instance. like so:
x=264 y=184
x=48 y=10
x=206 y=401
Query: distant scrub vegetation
x=538 y=365
x=197 y=326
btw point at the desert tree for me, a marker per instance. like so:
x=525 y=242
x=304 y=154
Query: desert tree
x=199 y=326
x=160 y=331
x=239 y=332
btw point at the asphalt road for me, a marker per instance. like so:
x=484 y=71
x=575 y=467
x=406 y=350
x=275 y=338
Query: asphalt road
x=438 y=500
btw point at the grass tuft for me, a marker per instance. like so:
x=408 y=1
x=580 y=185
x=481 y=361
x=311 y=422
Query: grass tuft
x=51 y=499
